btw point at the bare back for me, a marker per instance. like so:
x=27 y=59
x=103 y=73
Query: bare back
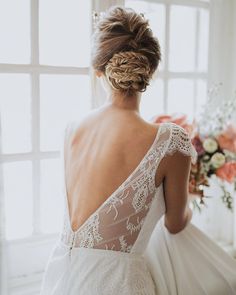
x=100 y=153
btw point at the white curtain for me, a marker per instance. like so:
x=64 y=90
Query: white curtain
x=222 y=59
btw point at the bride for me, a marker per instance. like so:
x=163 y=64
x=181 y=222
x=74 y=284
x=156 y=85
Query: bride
x=127 y=224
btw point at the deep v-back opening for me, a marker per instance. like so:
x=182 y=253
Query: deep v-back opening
x=111 y=195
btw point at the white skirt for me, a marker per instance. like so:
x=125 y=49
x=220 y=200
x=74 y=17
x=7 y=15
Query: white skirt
x=96 y=272
x=187 y=263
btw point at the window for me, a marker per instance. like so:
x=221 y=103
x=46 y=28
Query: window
x=43 y=84
x=180 y=84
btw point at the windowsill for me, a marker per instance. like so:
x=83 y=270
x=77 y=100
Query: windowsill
x=34 y=239
x=27 y=285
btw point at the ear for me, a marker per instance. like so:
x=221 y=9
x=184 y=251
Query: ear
x=98 y=73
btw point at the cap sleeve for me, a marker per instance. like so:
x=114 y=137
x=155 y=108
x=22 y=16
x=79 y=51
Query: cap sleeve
x=181 y=141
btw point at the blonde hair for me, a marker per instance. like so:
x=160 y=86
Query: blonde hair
x=125 y=50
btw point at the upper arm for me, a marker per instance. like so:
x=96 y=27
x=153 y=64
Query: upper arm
x=175 y=170
x=176 y=179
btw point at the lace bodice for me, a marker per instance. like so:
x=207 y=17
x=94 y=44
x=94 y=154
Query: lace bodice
x=124 y=222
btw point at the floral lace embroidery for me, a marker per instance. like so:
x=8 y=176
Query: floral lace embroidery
x=123 y=245
x=90 y=235
x=113 y=202
x=139 y=199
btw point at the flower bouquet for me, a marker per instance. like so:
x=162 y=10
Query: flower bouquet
x=214 y=138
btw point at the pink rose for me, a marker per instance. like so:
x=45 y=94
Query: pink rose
x=227 y=139
x=161 y=119
x=227 y=171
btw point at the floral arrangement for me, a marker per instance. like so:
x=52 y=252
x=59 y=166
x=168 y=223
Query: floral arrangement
x=216 y=156
x=214 y=138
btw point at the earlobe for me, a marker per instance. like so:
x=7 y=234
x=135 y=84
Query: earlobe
x=105 y=84
x=98 y=73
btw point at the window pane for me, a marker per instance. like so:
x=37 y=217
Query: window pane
x=15 y=31
x=203 y=40
x=182 y=38
x=181 y=97
x=201 y=95
x=17 y=182
x=63 y=98
x=155 y=13
x=64 y=32
x=15 y=105
x=152 y=100
x=51 y=198
x=139 y=6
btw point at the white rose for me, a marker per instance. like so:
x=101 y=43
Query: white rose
x=210 y=145
x=217 y=160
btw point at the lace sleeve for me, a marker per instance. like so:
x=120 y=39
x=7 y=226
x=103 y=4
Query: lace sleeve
x=180 y=141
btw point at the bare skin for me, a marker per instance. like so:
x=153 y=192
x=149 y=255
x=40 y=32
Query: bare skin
x=104 y=149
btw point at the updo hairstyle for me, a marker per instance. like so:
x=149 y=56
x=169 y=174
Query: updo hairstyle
x=125 y=50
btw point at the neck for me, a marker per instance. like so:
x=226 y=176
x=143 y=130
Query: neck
x=120 y=101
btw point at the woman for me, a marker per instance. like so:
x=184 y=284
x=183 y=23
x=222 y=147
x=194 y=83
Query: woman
x=127 y=223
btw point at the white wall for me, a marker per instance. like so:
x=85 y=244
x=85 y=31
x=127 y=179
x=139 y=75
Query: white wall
x=222 y=62
x=222 y=68
x=234 y=49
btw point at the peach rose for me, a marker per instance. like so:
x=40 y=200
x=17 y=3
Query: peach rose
x=227 y=139
x=180 y=120
x=227 y=171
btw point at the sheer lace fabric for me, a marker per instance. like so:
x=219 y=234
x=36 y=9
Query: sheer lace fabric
x=117 y=223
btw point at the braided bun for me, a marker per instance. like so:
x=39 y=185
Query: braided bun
x=125 y=50
x=128 y=71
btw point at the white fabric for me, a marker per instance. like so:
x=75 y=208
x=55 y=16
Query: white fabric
x=189 y=263
x=124 y=248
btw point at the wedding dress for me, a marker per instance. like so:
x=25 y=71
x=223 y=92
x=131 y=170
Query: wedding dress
x=125 y=248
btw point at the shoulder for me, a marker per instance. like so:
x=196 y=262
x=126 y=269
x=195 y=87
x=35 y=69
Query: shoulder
x=180 y=142
x=153 y=126
x=78 y=125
